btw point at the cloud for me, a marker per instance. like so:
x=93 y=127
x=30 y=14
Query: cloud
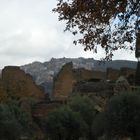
x=29 y=31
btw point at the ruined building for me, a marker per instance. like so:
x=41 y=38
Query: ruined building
x=68 y=78
x=14 y=83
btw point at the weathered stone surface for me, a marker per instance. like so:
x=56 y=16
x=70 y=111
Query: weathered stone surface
x=43 y=73
x=16 y=84
x=3 y=94
x=42 y=109
x=112 y=74
x=63 y=82
x=86 y=81
x=67 y=77
x=82 y=74
x=128 y=73
x=100 y=92
x=101 y=88
x=0 y=73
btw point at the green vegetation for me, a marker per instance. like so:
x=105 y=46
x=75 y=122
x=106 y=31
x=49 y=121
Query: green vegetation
x=64 y=124
x=14 y=122
x=80 y=119
x=73 y=121
x=85 y=107
x=123 y=116
x=76 y=120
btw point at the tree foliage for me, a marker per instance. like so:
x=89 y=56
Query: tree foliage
x=98 y=125
x=122 y=116
x=85 y=107
x=64 y=124
x=109 y=23
x=14 y=122
x=73 y=121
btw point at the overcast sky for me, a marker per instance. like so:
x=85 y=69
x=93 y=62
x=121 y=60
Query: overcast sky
x=29 y=31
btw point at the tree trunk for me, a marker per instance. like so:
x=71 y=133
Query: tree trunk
x=137 y=77
x=137 y=54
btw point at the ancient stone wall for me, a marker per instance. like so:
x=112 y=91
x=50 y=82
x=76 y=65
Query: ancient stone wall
x=127 y=71
x=3 y=94
x=112 y=74
x=129 y=74
x=82 y=74
x=68 y=77
x=42 y=110
x=15 y=83
x=63 y=82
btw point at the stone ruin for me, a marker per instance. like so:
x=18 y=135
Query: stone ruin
x=16 y=84
x=70 y=79
x=95 y=84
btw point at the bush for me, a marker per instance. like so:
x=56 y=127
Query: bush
x=64 y=124
x=85 y=107
x=122 y=116
x=14 y=122
x=98 y=125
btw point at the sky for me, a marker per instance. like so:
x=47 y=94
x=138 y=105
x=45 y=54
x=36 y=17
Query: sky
x=30 y=31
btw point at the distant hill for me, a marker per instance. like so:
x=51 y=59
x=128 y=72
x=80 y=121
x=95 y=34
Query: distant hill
x=116 y=64
x=43 y=73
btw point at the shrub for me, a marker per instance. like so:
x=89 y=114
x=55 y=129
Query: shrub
x=122 y=116
x=14 y=122
x=65 y=124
